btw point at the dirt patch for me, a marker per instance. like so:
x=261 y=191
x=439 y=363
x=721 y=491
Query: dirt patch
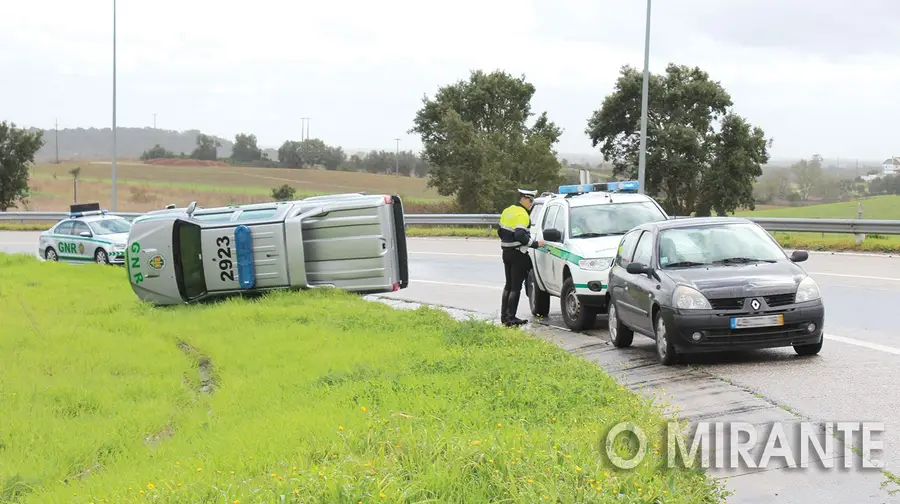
x=183 y=162
x=208 y=381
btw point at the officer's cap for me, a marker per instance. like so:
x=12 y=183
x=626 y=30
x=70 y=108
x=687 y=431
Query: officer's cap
x=524 y=193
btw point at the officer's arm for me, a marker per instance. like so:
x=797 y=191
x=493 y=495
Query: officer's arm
x=525 y=238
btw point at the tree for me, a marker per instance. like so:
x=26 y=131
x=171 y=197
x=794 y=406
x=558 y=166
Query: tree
x=807 y=175
x=283 y=193
x=691 y=168
x=245 y=149
x=479 y=146
x=157 y=152
x=17 y=149
x=207 y=148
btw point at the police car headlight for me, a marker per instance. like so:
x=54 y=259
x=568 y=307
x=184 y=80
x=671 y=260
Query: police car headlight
x=808 y=290
x=595 y=264
x=119 y=246
x=686 y=298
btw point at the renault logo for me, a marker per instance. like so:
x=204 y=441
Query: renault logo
x=754 y=304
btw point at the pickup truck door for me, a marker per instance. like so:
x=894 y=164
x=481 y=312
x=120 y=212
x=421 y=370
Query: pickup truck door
x=552 y=268
x=266 y=244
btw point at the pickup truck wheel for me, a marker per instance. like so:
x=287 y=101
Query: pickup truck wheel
x=619 y=335
x=576 y=316
x=539 y=300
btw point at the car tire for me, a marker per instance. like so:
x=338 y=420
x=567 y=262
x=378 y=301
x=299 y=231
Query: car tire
x=576 y=316
x=101 y=257
x=538 y=300
x=51 y=255
x=812 y=349
x=619 y=335
x=665 y=350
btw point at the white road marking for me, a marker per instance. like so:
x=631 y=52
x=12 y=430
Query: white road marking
x=864 y=344
x=494 y=256
x=861 y=277
x=454 y=284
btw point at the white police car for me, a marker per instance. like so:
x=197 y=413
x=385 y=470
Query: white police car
x=88 y=235
x=582 y=227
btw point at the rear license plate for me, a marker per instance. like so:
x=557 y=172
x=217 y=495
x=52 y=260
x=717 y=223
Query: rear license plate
x=766 y=321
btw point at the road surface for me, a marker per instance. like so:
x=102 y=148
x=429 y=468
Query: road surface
x=854 y=378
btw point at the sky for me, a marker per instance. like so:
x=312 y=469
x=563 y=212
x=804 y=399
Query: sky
x=819 y=76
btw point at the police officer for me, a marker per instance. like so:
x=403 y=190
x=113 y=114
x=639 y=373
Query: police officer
x=515 y=240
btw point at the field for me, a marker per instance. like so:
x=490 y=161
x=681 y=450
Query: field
x=143 y=187
x=299 y=397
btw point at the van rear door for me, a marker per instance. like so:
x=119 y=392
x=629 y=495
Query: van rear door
x=352 y=242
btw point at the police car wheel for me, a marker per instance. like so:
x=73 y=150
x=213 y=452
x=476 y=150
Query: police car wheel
x=50 y=254
x=538 y=300
x=576 y=316
x=101 y=256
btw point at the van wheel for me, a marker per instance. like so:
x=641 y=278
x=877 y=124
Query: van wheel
x=539 y=300
x=619 y=335
x=50 y=254
x=576 y=316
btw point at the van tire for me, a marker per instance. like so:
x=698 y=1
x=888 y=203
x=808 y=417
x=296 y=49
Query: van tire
x=539 y=300
x=577 y=316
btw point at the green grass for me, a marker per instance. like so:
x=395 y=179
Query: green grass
x=316 y=396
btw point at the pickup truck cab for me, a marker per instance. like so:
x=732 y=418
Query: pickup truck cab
x=582 y=226
x=355 y=242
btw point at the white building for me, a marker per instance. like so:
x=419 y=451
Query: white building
x=891 y=166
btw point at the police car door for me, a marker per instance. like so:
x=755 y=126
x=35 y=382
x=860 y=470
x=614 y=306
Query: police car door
x=84 y=248
x=551 y=270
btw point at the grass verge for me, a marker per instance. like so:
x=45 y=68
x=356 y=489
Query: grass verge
x=300 y=397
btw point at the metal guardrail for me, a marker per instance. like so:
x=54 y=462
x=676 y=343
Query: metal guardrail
x=850 y=226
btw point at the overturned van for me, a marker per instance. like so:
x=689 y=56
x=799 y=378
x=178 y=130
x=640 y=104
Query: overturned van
x=354 y=242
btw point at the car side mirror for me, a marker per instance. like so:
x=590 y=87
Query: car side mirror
x=637 y=268
x=86 y=234
x=553 y=235
x=799 y=256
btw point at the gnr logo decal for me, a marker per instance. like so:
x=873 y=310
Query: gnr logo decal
x=157 y=262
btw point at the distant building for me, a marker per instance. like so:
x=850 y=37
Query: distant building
x=891 y=166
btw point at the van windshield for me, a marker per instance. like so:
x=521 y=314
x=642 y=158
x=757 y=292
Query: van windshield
x=611 y=219
x=188 y=260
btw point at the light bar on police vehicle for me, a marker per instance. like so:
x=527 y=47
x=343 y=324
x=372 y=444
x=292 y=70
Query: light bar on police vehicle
x=80 y=210
x=624 y=186
x=627 y=186
x=576 y=189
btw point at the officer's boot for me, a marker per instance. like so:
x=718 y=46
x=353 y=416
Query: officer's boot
x=513 y=308
x=504 y=308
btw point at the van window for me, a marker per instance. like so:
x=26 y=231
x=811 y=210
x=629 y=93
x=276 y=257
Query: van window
x=535 y=211
x=214 y=217
x=264 y=213
x=188 y=260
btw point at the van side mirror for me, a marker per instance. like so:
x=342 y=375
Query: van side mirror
x=553 y=235
x=799 y=256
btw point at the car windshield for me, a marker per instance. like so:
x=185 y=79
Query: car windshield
x=611 y=219
x=725 y=245
x=110 y=226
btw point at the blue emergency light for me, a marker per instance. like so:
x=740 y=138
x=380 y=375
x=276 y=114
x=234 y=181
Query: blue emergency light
x=624 y=186
x=576 y=188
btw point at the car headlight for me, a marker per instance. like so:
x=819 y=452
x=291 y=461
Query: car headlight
x=595 y=264
x=686 y=298
x=808 y=290
x=119 y=246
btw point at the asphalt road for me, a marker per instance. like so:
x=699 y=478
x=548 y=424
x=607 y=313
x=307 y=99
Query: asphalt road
x=854 y=378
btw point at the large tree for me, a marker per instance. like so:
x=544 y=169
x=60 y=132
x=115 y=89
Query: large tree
x=479 y=145
x=692 y=167
x=17 y=150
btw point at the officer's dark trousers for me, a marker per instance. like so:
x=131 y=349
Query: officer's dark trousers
x=516 y=266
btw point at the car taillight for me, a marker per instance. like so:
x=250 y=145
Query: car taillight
x=396 y=287
x=388 y=200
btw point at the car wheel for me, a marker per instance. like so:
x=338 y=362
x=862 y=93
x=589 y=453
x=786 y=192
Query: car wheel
x=619 y=335
x=101 y=256
x=539 y=301
x=813 y=349
x=664 y=348
x=50 y=254
x=576 y=316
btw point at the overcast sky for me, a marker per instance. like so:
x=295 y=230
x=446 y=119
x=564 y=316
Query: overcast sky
x=820 y=76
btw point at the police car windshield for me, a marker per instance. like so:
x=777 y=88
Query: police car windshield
x=110 y=226
x=720 y=245
x=611 y=219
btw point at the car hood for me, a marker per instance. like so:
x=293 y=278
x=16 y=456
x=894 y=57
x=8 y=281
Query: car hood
x=593 y=248
x=119 y=238
x=748 y=280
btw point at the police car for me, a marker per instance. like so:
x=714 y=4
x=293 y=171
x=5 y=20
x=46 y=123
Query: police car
x=88 y=235
x=582 y=226
x=354 y=242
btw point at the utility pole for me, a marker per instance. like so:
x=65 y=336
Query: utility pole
x=642 y=156
x=304 y=128
x=154 y=120
x=397 y=158
x=57 y=141
x=114 y=112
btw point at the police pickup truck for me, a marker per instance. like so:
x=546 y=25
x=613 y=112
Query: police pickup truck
x=582 y=226
x=355 y=242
